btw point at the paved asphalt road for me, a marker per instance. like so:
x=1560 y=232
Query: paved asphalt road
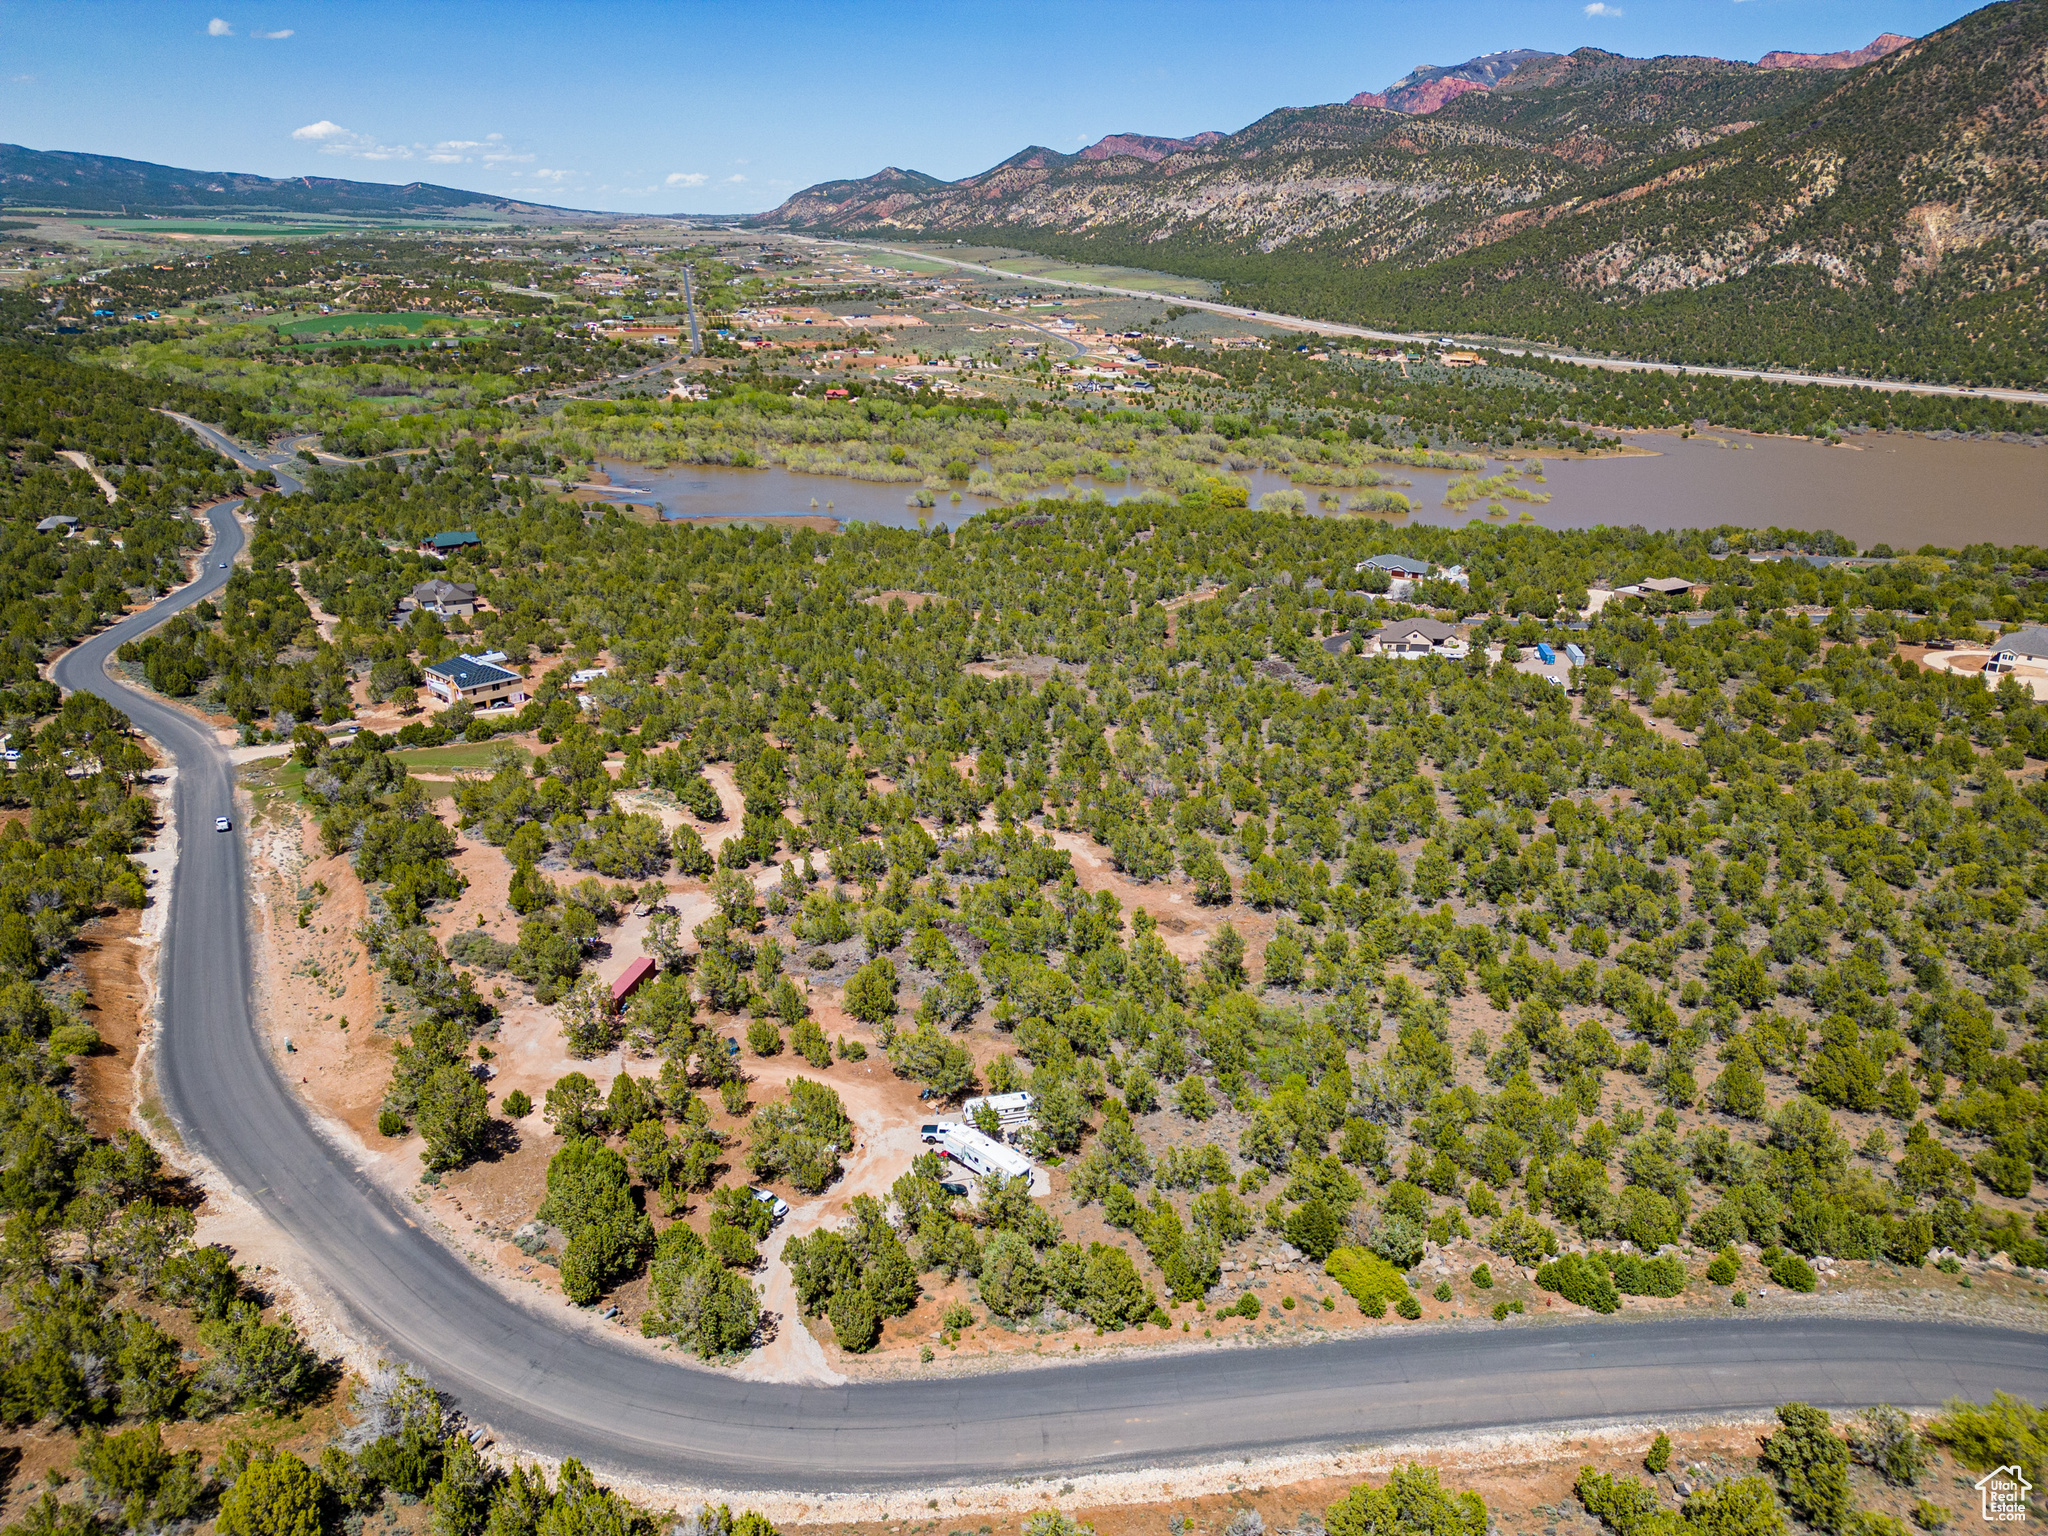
x=546 y=1386
x=1333 y=328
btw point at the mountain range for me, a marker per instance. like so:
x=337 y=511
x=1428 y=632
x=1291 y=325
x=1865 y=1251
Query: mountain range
x=1882 y=209
x=34 y=178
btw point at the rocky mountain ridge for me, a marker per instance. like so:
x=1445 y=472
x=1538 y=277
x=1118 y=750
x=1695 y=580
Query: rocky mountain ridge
x=1891 y=215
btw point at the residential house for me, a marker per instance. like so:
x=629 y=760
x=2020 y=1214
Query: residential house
x=1403 y=571
x=2028 y=647
x=1670 y=588
x=1408 y=567
x=467 y=679
x=445 y=599
x=61 y=523
x=445 y=543
x=1410 y=639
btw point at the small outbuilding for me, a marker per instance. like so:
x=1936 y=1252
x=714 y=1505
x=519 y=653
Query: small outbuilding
x=444 y=543
x=631 y=980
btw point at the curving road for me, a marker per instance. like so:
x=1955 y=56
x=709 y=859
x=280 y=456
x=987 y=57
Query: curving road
x=549 y=1387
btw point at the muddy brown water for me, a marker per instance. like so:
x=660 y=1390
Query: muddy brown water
x=1899 y=489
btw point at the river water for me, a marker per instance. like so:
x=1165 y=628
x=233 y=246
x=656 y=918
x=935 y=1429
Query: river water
x=1897 y=489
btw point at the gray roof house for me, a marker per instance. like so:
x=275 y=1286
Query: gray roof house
x=1396 y=565
x=442 y=597
x=2029 y=645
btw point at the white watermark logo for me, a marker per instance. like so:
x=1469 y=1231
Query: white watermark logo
x=2005 y=1492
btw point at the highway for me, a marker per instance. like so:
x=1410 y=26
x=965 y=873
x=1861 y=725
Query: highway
x=1418 y=338
x=543 y=1384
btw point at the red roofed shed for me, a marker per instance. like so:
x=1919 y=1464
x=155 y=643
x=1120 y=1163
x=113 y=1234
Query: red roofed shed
x=630 y=981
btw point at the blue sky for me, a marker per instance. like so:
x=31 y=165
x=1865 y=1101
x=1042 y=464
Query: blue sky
x=695 y=106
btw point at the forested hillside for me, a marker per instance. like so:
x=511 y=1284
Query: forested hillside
x=1886 y=220
x=1781 y=882
x=109 y=184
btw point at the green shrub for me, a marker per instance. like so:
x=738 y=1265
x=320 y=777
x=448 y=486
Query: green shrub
x=390 y=1123
x=1482 y=1277
x=1369 y=1279
x=1443 y=1290
x=1581 y=1280
x=1409 y=1307
x=1793 y=1272
x=1882 y=1438
x=1811 y=1465
x=1659 y=1456
x=1635 y=1276
x=1502 y=1309
x=1521 y=1237
x=2007 y=1431
x=1411 y=1502
x=516 y=1105
x=276 y=1496
x=1725 y=1268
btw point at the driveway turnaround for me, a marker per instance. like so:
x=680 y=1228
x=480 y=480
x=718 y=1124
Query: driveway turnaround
x=550 y=1387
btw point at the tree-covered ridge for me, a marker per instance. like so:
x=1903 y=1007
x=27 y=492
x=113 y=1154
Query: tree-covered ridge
x=49 y=404
x=1376 y=184
x=1761 y=865
x=1870 y=227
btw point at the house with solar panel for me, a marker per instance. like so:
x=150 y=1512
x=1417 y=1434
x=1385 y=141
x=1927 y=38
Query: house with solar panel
x=472 y=680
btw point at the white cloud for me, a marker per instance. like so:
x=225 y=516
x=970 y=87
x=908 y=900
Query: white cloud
x=687 y=178
x=276 y=37
x=552 y=175
x=735 y=177
x=1597 y=8
x=219 y=28
x=334 y=139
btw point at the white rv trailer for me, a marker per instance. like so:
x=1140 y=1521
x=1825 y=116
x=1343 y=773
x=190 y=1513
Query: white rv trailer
x=977 y=1153
x=1011 y=1109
